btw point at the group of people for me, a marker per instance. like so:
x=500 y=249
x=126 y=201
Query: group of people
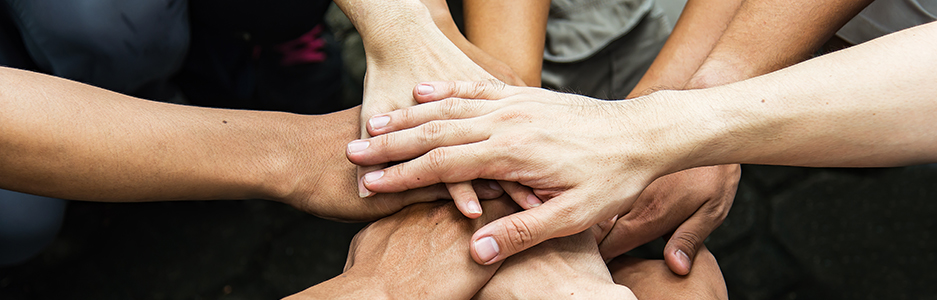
x=553 y=184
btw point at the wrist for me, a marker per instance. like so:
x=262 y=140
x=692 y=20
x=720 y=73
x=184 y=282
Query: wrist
x=686 y=128
x=344 y=286
x=305 y=148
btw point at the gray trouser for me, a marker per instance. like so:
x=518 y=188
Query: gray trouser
x=28 y=223
x=124 y=46
x=612 y=72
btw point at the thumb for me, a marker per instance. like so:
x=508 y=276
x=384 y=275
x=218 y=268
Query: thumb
x=516 y=232
x=438 y=90
x=683 y=245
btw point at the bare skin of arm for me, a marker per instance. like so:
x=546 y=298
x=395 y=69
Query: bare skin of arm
x=417 y=253
x=511 y=31
x=714 y=44
x=695 y=34
x=767 y=35
x=443 y=18
x=651 y=279
x=70 y=140
x=828 y=111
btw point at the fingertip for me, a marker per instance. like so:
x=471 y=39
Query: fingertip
x=678 y=262
x=485 y=250
x=426 y=92
x=363 y=191
x=377 y=124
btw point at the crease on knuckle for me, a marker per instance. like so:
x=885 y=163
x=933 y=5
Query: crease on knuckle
x=520 y=233
x=430 y=133
x=436 y=160
x=687 y=241
x=450 y=108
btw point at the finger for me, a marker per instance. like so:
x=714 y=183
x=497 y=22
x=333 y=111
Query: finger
x=633 y=229
x=448 y=109
x=438 y=90
x=685 y=243
x=487 y=189
x=447 y=164
x=363 y=191
x=410 y=143
x=601 y=230
x=465 y=198
x=521 y=195
x=387 y=204
x=496 y=208
x=516 y=232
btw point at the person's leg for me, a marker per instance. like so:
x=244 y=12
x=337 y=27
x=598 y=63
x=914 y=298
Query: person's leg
x=28 y=223
x=124 y=46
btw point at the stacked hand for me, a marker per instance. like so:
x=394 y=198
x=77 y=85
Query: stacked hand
x=588 y=159
x=417 y=253
x=395 y=63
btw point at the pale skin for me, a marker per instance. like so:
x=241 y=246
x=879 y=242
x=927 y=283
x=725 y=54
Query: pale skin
x=714 y=43
x=825 y=112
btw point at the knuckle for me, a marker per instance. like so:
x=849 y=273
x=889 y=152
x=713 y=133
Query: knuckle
x=687 y=241
x=519 y=233
x=450 y=108
x=436 y=159
x=431 y=132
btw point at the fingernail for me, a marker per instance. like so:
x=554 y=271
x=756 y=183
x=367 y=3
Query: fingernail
x=473 y=208
x=425 y=89
x=495 y=186
x=363 y=192
x=683 y=258
x=358 y=146
x=486 y=248
x=373 y=176
x=533 y=201
x=379 y=121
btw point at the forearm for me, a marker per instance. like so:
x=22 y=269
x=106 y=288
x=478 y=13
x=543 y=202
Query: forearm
x=386 y=26
x=439 y=9
x=343 y=286
x=511 y=31
x=868 y=106
x=767 y=35
x=694 y=36
x=65 y=139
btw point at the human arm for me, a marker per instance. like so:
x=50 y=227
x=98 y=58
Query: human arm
x=417 y=253
x=567 y=267
x=694 y=35
x=403 y=46
x=767 y=35
x=828 y=111
x=510 y=31
x=737 y=40
x=439 y=9
x=70 y=140
x=651 y=279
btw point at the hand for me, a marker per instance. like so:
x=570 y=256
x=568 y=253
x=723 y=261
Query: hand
x=650 y=279
x=693 y=202
x=397 y=60
x=418 y=253
x=322 y=182
x=567 y=267
x=588 y=158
